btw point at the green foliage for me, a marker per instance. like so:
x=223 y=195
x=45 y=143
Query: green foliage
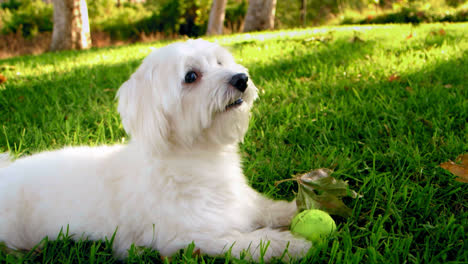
x=118 y=21
x=413 y=14
x=318 y=11
x=235 y=14
x=455 y=3
x=127 y=21
x=5 y=16
x=170 y=18
x=184 y=17
x=370 y=11
x=190 y=17
x=29 y=18
x=10 y=4
x=326 y=101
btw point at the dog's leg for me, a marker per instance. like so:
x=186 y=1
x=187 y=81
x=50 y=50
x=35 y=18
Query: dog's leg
x=265 y=241
x=271 y=213
x=276 y=240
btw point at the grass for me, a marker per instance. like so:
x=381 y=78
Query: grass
x=381 y=105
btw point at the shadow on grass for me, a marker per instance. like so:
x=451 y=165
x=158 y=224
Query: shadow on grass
x=321 y=51
x=36 y=109
x=386 y=120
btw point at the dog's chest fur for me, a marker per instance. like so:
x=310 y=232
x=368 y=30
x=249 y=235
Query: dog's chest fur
x=203 y=187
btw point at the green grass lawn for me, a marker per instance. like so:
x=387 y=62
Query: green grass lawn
x=382 y=106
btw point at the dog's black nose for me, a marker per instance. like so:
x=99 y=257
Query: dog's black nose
x=239 y=81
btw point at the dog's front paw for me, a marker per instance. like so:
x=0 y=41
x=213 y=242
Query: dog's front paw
x=297 y=247
x=284 y=244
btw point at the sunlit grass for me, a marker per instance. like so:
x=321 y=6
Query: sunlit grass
x=381 y=105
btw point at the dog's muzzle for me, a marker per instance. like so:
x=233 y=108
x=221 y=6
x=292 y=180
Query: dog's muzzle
x=239 y=81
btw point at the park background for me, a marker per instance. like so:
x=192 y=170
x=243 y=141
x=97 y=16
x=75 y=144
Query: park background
x=374 y=90
x=26 y=25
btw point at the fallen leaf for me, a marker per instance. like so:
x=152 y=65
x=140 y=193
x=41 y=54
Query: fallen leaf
x=393 y=77
x=306 y=79
x=387 y=128
x=458 y=168
x=3 y=79
x=463 y=159
x=318 y=190
x=442 y=32
x=426 y=122
x=409 y=36
x=356 y=39
x=197 y=252
x=448 y=86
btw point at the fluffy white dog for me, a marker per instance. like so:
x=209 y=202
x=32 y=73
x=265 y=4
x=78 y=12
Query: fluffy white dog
x=179 y=180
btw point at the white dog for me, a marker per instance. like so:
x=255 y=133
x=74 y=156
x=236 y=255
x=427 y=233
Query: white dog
x=179 y=180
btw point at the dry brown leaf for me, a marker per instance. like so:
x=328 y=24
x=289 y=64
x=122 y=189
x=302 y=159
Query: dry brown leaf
x=2 y=79
x=306 y=79
x=463 y=159
x=426 y=122
x=442 y=32
x=318 y=190
x=197 y=252
x=356 y=39
x=458 y=168
x=409 y=36
x=393 y=77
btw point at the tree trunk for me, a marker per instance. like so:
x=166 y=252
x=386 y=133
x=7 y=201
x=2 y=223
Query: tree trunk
x=260 y=15
x=303 y=12
x=216 y=21
x=71 y=25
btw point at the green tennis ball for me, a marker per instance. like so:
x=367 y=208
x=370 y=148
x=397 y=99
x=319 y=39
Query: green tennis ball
x=315 y=225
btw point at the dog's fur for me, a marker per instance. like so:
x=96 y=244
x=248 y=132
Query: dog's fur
x=178 y=181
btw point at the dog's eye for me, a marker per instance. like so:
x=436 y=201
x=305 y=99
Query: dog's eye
x=190 y=77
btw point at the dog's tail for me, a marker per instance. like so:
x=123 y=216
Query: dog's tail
x=5 y=160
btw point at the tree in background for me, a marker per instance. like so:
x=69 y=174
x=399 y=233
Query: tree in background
x=216 y=21
x=71 y=25
x=303 y=12
x=260 y=15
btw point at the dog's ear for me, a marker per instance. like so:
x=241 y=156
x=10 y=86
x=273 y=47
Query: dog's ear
x=142 y=114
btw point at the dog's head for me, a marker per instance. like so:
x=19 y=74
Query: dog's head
x=185 y=95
